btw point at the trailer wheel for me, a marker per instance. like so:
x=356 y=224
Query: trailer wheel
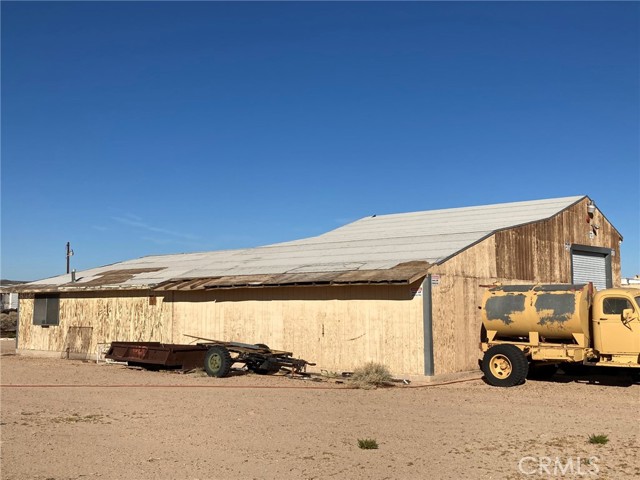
x=217 y=362
x=256 y=366
x=505 y=366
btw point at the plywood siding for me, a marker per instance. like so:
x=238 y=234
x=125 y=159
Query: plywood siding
x=456 y=295
x=534 y=253
x=89 y=319
x=476 y=261
x=339 y=328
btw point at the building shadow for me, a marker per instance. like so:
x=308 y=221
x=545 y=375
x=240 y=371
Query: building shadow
x=606 y=376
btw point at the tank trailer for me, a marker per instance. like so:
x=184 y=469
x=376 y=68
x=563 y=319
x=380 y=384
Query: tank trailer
x=540 y=326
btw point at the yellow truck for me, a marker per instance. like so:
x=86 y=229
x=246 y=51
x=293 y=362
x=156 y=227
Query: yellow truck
x=540 y=326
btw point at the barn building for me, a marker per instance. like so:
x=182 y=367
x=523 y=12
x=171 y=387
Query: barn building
x=401 y=289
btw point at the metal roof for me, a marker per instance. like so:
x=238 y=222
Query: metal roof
x=395 y=248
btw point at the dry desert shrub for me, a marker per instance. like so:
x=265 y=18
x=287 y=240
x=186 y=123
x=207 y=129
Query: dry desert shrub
x=371 y=375
x=367 y=443
x=8 y=323
x=598 y=439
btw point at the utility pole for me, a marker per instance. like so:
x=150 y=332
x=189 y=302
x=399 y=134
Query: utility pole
x=69 y=254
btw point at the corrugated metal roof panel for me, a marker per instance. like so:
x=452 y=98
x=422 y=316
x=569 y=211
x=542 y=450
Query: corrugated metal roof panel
x=360 y=249
x=403 y=273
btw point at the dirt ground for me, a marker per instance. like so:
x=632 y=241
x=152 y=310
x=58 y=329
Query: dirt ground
x=63 y=419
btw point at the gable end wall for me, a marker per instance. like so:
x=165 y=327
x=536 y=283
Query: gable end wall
x=527 y=254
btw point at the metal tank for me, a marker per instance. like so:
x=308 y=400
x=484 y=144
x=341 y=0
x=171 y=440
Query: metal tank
x=554 y=311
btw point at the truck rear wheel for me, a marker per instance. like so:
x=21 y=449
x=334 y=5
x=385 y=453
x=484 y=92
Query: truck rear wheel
x=217 y=362
x=505 y=366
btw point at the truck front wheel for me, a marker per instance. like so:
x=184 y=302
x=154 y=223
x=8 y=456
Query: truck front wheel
x=505 y=366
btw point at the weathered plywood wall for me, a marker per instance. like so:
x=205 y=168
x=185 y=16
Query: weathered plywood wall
x=339 y=328
x=87 y=319
x=534 y=253
x=456 y=295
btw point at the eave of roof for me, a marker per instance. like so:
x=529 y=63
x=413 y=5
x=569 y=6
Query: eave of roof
x=400 y=274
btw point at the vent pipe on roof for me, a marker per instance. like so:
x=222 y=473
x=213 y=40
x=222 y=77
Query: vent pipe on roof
x=73 y=275
x=69 y=254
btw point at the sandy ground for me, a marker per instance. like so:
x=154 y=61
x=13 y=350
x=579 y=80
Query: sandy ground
x=63 y=419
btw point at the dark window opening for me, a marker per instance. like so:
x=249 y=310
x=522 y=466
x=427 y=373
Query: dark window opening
x=615 y=306
x=46 y=310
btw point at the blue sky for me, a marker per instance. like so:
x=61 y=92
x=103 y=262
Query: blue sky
x=132 y=129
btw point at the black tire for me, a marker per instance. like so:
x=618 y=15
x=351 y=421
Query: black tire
x=505 y=366
x=542 y=372
x=217 y=362
x=257 y=366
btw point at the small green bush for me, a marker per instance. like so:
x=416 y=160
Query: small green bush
x=371 y=375
x=8 y=324
x=367 y=444
x=598 y=439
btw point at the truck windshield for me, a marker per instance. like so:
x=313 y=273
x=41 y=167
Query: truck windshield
x=637 y=299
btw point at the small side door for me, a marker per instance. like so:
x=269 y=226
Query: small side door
x=618 y=332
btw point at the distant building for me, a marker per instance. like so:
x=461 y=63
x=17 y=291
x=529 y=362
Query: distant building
x=400 y=289
x=8 y=299
x=631 y=282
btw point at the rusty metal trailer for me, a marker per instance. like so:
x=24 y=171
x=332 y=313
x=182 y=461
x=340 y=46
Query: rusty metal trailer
x=215 y=356
x=157 y=355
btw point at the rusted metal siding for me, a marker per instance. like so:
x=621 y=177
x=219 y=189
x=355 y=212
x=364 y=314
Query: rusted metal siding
x=404 y=273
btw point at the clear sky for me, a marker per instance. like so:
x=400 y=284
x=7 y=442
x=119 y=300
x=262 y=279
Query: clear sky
x=132 y=129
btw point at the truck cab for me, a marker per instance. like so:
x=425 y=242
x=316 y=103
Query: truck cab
x=615 y=318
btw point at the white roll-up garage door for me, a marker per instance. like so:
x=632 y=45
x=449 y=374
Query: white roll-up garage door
x=590 y=267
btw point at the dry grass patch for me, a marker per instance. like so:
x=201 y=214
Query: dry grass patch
x=371 y=375
x=77 y=418
x=599 y=439
x=367 y=444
